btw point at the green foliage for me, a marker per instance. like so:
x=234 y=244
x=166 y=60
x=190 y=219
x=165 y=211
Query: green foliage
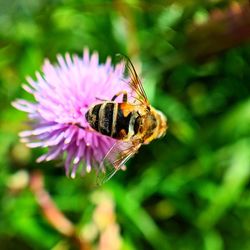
x=189 y=190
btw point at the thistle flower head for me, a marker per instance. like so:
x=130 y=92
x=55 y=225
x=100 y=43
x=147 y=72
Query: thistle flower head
x=63 y=94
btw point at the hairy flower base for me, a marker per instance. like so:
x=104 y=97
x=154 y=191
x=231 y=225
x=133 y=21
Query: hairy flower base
x=63 y=94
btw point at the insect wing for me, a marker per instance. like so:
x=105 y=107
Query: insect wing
x=134 y=81
x=115 y=159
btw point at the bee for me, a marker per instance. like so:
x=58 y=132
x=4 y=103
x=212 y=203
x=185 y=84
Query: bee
x=131 y=123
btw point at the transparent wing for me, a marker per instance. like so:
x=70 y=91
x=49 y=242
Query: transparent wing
x=134 y=81
x=117 y=156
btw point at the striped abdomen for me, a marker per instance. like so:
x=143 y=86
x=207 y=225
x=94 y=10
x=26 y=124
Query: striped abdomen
x=108 y=118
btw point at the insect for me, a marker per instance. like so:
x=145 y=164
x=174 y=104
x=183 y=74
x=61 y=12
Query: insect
x=132 y=124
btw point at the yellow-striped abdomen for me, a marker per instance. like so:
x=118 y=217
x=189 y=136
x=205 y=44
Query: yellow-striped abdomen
x=111 y=119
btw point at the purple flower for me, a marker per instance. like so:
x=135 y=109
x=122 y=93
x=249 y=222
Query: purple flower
x=63 y=94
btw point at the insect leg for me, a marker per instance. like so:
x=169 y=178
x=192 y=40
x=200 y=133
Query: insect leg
x=124 y=98
x=78 y=125
x=100 y=99
x=84 y=128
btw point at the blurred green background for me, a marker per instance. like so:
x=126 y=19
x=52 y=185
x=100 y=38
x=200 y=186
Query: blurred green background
x=189 y=190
